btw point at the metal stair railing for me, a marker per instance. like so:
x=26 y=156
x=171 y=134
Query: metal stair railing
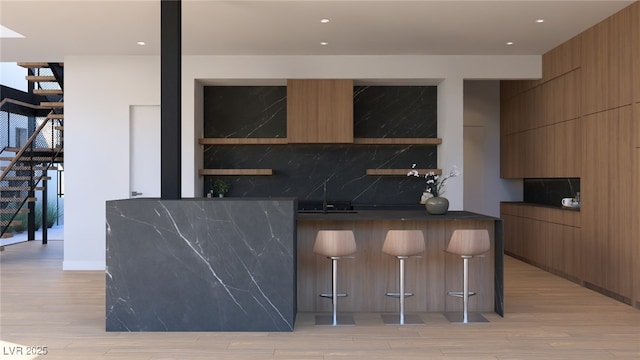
x=23 y=169
x=31 y=162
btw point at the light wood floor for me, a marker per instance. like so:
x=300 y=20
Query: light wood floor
x=547 y=317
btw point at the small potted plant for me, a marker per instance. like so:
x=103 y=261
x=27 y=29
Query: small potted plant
x=220 y=187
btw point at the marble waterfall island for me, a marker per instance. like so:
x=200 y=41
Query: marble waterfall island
x=201 y=265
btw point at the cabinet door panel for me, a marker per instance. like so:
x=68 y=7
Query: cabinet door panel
x=561 y=59
x=302 y=110
x=620 y=50
x=320 y=111
x=635 y=50
x=595 y=63
x=335 y=111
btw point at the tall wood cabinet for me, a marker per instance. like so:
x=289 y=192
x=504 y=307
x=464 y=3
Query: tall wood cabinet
x=582 y=119
x=608 y=206
x=320 y=111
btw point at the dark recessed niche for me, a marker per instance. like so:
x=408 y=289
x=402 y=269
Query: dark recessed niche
x=550 y=191
x=245 y=111
x=395 y=111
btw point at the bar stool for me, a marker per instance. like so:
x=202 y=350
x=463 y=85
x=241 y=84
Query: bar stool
x=334 y=244
x=402 y=244
x=467 y=244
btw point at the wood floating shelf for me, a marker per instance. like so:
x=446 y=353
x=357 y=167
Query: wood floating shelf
x=242 y=141
x=400 y=172
x=241 y=172
x=397 y=141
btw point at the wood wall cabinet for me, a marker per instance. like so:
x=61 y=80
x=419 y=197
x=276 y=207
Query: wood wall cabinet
x=636 y=227
x=636 y=125
x=540 y=123
x=606 y=63
x=320 y=111
x=635 y=45
x=562 y=59
x=635 y=210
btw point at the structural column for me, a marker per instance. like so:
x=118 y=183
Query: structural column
x=170 y=98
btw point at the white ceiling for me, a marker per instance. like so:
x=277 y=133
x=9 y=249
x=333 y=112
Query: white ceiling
x=54 y=28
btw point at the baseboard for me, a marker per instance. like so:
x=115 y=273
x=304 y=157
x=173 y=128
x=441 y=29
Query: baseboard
x=83 y=265
x=611 y=294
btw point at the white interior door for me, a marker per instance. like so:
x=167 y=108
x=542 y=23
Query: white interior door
x=474 y=169
x=144 y=151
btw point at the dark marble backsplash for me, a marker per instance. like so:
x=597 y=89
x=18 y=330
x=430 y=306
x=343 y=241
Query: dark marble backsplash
x=300 y=170
x=550 y=191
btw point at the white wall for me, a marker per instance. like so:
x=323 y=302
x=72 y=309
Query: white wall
x=484 y=189
x=99 y=91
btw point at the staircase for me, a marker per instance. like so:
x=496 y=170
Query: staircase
x=24 y=162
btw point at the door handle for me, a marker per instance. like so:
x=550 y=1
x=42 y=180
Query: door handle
x=135 y=193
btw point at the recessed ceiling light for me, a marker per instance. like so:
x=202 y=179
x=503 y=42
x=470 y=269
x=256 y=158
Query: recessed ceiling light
x=141 y=43
x=540 y=21
x=324 y=43
x=510 y=43
x=325 y=21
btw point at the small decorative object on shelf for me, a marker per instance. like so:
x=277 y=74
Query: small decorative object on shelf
x=218 y=187
x=432 y=197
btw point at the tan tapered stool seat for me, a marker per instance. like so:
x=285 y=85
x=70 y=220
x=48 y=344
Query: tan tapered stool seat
x=467 y=243
x=403 y=244
x=334 y=244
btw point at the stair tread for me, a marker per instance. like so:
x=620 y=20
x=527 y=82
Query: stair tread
x=52 y=104
x=13 y=199
x=37 y=178
x=19 y=188
x=37 y=159
x=48 y=91
x=11 y=211
x=12 y=222
x=55 y=116
x=27 y=168
x=33 y=65
x=15 y=149
x=41 y=78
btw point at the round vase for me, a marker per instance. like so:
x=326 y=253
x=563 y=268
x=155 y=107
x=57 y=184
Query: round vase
x=437 y=205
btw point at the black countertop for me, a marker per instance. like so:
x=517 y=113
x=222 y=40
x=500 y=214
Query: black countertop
x=361 y=215
x=558 y=207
